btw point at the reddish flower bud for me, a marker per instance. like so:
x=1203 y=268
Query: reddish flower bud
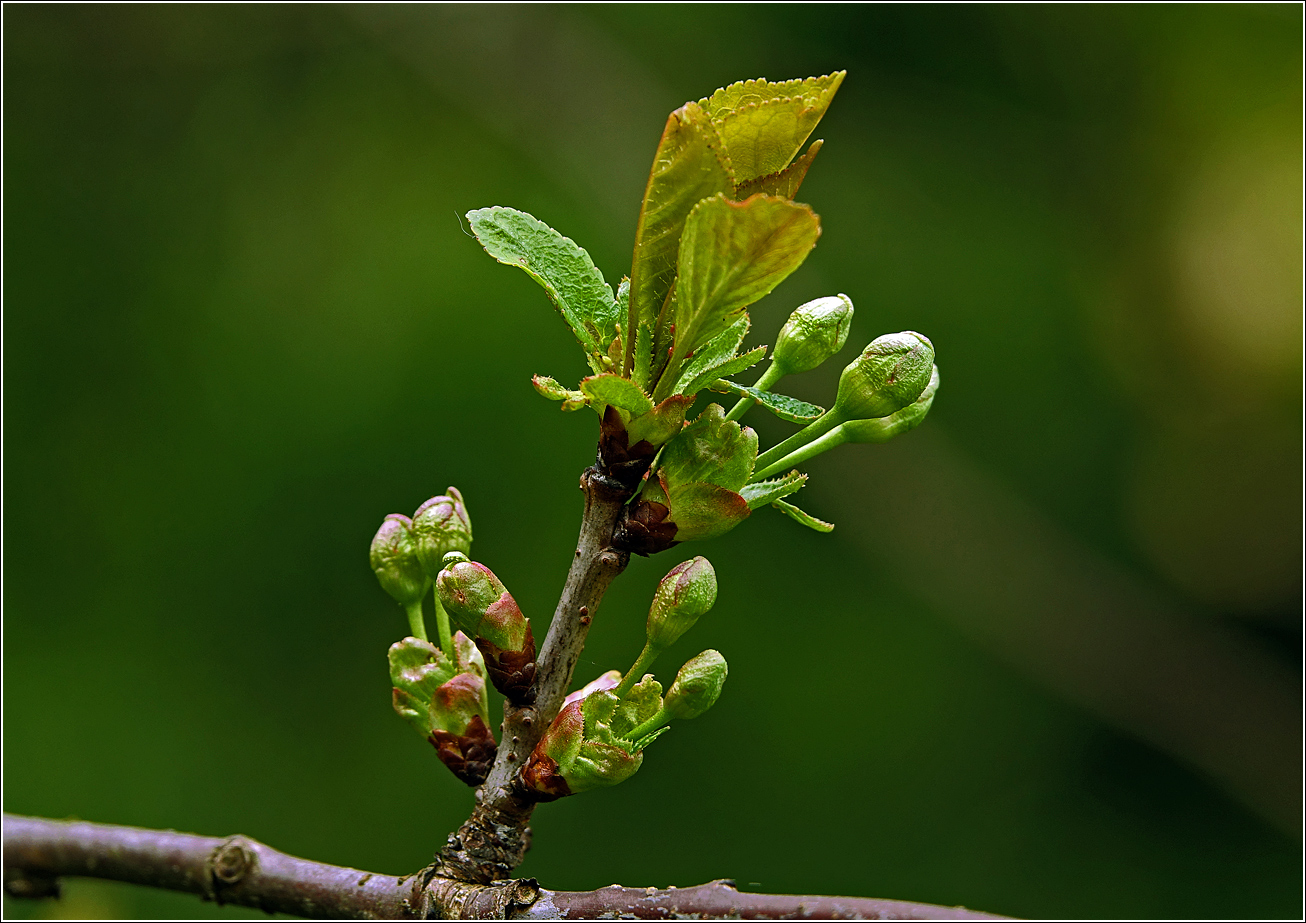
x=479 y=604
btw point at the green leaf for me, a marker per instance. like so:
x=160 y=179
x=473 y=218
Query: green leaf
x=705 y=510
x=690 y=165
x=786 y=182
x=551 y=389
x=732 y=254
x=717 y=351
x=660 y=423
x=764 y=492
x=564 y=269
x=782 y=405
x=740 y=363
x=622 y=393
x=764 y=125
x=643 y=742
x=643 y=355
x=806 y=519
x=711 y=449
x=640 y=704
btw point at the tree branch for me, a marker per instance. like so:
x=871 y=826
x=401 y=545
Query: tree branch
x=238 y=870
x=493 y=840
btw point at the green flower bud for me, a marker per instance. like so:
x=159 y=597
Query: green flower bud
x=393 y=557
x=441 y=525
x=479 y=604
x=814 y=332
x=446 y=703
x=697 y=686
x=684 y=595
x=882 y=429
x=889 y=374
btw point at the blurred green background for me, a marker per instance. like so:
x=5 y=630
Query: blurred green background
x=1048 y=664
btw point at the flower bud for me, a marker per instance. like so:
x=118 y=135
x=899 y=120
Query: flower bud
x=685 y=593
x=393 y=557
x=882 y=429
x=814 y=332
x=697 y=686
x=446 y=703
x=889 y=374
x=441 y=525
x=479 y=604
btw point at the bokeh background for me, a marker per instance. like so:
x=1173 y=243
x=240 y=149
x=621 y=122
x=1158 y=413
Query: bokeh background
x=1048 y=664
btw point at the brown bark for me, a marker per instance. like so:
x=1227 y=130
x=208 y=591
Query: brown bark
x=238 y=870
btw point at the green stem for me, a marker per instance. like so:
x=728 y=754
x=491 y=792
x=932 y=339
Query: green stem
x=817 y=428
x=646 y=658
x=652 y=724
x=416 y=624
x=835 y=437
x=765 y=383
x=442 y=626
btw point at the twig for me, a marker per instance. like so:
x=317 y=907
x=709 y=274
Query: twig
x=238 y=870
x=493 y=840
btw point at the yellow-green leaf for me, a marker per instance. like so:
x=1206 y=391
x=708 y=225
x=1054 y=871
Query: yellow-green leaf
x=732 y=254
x=764 y=124
x=690 y=165
x=786 y=182
x=621 y=393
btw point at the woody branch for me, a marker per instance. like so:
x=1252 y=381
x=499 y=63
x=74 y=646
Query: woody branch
x=239 y=870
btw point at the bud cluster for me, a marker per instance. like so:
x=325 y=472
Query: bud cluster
x=599 y=737
x=445 y=701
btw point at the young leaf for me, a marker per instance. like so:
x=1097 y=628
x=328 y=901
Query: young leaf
x=711 y=449
x=782 y=405
x=732 y=254
x=638 y=745
x=764 y=492
x=550 y=388
x=640 y=704
x=706 y=510
x=720 y=348
x=732 y=366
x=621 y=393
x=806 y=519
x=786 y=182
x=662 y=422
x=764 y=125
x=690 y=165
x=643 y=355
x=813 y=91
x=564 y=269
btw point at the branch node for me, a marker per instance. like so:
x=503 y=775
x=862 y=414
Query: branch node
x=233 y=860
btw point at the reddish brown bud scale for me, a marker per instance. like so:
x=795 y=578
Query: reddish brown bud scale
x=542 y=780
x=468 y=756
x=511 y=672
x=644 y=529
